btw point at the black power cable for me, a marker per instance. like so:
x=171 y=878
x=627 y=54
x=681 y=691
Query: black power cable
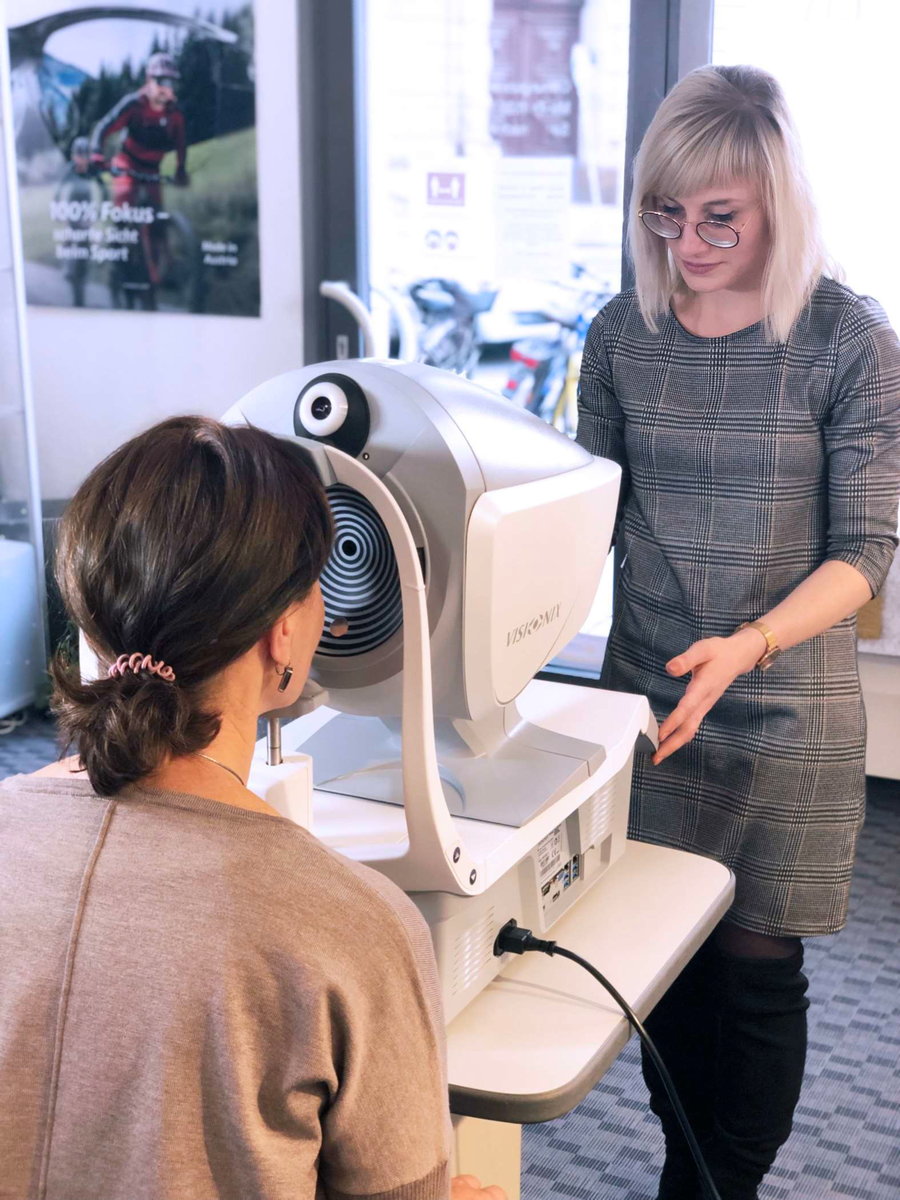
x=512 y=939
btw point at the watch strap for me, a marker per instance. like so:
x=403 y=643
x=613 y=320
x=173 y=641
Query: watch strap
x=772 y=649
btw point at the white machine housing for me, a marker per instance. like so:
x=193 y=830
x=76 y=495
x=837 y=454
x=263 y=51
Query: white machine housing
x=470 y=540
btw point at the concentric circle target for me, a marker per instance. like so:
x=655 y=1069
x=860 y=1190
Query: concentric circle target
x=360 y=582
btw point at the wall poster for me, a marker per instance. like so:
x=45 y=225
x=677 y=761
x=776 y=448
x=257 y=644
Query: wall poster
x=136 y=154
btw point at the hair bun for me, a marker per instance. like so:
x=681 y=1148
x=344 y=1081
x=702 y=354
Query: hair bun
x=127 y=725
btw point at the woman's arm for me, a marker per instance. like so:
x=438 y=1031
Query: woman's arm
x=861 y=437
x=600 y=420
x=833 y=591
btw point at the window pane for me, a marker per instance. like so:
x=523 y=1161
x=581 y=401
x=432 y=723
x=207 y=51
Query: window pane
x=496 y=164
x=837 y=64
x=496 y=159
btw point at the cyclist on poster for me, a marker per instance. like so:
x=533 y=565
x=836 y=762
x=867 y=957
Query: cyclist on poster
x=155 y=127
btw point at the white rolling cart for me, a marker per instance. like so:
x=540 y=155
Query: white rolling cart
x=538 y=1037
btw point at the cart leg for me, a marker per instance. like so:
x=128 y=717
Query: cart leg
x=490 y=1150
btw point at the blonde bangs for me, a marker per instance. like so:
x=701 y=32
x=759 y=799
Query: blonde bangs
x=720 y=124
x=705 y=159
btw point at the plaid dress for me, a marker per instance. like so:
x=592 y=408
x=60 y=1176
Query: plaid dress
x=746 y=464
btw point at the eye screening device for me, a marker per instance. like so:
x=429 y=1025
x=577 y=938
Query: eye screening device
x=470 y=538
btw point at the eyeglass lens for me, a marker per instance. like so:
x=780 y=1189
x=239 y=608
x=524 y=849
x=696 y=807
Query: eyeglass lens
x=714 y=233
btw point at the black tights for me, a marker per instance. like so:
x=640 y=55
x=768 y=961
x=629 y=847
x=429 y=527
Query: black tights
x=732 y=1031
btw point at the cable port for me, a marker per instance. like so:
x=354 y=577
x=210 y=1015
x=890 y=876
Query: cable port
x=513 y=939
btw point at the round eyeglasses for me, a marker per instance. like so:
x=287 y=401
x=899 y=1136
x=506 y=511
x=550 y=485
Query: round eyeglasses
x=714 y=233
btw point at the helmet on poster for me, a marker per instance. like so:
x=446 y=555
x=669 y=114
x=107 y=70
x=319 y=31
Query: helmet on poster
x=162 y=66
x=80 y=155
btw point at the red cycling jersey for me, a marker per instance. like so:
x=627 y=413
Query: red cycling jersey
x=152 y=133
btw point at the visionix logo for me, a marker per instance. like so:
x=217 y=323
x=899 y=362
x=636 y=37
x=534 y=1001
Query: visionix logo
x=520 y=632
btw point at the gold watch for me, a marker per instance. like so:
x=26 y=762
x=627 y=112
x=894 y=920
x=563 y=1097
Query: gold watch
x=772 y=649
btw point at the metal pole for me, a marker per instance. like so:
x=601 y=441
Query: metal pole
x=273 y=742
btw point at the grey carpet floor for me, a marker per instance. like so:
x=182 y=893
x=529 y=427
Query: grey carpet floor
x=846 y=1139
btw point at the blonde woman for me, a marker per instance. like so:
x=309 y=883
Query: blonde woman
x=754 y=404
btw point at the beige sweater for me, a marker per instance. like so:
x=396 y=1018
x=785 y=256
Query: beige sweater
x=199 y=1002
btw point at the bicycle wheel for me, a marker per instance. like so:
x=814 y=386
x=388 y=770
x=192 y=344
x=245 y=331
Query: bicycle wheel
x=552 y=395
x=84 y=194
x=545 y=386
x=182 y=276
x=519 y=384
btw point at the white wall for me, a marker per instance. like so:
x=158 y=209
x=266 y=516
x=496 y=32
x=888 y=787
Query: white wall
x=100 y=376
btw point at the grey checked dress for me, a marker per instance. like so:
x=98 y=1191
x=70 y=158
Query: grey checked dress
x=746 y=464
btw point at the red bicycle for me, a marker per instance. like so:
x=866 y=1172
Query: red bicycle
x=153 y=253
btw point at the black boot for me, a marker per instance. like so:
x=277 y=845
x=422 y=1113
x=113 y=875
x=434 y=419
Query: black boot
x=683 y=1029
x=761 y=1007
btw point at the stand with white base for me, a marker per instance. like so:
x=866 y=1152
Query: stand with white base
x=532 y=873
x=535 y=1040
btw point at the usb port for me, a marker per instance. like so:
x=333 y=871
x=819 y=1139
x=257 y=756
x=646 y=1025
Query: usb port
x=545 y=890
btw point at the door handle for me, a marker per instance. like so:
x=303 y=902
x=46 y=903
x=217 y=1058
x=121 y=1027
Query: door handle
x=342 y=293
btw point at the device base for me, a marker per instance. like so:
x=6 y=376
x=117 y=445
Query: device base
x=526 y=772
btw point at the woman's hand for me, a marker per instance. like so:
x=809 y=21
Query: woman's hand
x=467 y=1187
x=714 y=664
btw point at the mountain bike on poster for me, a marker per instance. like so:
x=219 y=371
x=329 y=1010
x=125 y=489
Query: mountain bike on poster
x=150 y=249
x=154 y=254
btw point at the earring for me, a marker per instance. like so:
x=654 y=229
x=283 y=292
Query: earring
x=287 y=674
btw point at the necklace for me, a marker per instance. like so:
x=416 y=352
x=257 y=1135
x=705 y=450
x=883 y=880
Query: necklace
x=230 y=770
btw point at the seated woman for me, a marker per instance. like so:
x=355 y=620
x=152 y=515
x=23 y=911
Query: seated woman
x=198 y=999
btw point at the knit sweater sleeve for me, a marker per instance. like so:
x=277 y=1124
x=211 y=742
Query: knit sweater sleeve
x=386 y=1132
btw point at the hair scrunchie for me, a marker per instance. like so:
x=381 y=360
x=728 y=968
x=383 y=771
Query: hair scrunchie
x=137 y=663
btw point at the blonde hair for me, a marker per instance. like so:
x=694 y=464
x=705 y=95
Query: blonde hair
x=720 y=124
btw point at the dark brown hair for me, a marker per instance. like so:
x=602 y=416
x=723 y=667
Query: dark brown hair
x=187 y=544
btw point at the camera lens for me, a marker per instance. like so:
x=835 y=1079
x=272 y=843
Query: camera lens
x=333 y=408
x=322 y=408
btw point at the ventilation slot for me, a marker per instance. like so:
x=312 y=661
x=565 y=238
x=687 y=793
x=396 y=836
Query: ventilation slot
x=473 y=951
x=596 y=816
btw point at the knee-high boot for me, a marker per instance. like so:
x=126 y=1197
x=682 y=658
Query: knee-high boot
x=761 y=1008
x=683 y=1029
